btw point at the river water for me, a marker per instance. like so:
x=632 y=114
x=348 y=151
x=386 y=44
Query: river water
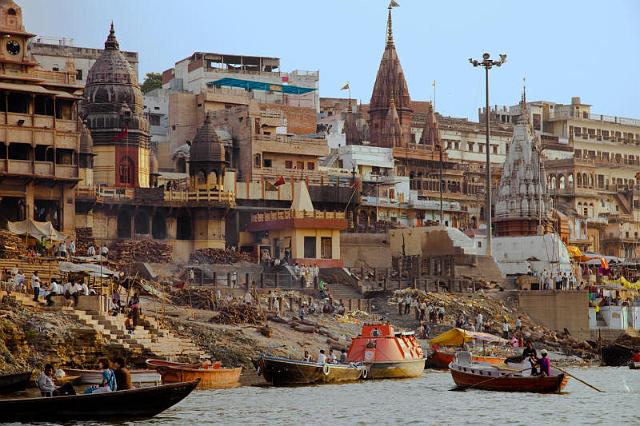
x=424 y=400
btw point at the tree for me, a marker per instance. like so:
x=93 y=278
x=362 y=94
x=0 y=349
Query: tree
x=153 y=80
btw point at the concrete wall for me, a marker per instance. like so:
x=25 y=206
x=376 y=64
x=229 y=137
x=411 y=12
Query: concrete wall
x=371 y=250
x=558 y=310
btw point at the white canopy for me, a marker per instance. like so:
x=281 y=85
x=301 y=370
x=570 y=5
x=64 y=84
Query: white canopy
x=38 y=230
x=88 y=268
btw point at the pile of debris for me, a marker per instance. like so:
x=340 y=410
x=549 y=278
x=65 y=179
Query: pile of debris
x=126 y=251
x=84 y=239
x=11 y=246
x=198 y=298
x=219 y=256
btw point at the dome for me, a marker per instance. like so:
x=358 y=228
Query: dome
x=111 y=80
x=206 y=146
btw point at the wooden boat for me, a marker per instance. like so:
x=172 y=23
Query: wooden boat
x=287 y=372
x=474 y=375
x=385 y=353
x=211 y=376
x=94 y=377
x=141 y=403
x=634 y=365
x=14 y=382
x=456 y=337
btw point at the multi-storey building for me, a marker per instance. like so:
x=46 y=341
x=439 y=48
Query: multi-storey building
x=53 y=53
x=41 y=132
x=592 y=164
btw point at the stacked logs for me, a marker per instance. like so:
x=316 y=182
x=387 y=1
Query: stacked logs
x=151 y=251
x=84 y=239
x=11 y=246
x=218 y=256
x=238 y=313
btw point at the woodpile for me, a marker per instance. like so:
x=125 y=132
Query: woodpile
x=11 y=246
x=126 y=251
x=198 y=298
x=219 y=256
x=84 y=239
x=238 y=313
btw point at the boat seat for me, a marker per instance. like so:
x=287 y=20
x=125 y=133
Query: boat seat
x=463 y=358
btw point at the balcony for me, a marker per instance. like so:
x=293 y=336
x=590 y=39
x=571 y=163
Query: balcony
x=20 y=167
x=202 y=196
x=44 y=168
x=283 y=144
x=291 y=214
x=64 y=171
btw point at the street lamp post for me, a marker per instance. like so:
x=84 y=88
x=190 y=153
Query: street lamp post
x=488 y=63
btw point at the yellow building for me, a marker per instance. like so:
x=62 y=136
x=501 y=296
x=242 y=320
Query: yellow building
x=302 y=234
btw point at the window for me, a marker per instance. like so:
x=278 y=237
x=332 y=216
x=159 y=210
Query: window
x=300 y=165
x=258 y=160
x=494 y=148
x=310 y=247
x=480 y=148
x=78 y=74
x=154 y=120
x=325 y=248
x=126 y=170
x=288 y=164
x=266 y=162
x=470 y=146
x=311 y=166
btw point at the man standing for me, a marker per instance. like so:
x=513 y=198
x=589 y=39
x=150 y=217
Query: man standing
x=505 y=330
x=91 y=251
x=72 y=248
x=479 y=322
x=63 y=249
x=35 y=285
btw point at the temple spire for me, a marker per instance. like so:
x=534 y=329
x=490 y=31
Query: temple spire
x=112 y=42
x=392 y=4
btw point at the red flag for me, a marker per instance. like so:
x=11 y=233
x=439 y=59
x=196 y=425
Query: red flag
x=285 y=78
x=280 y=181
x=123 y=134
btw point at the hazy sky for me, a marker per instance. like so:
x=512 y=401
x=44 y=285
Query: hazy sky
x=564 y=48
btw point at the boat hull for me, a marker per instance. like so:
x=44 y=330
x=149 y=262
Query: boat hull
x=440 y=360
x=396 y=369
x=142 y=403
x=14 y=382
x=634 y=365
x=94 y=377
x=214 y=378
x=288 y=372
x=535 y=384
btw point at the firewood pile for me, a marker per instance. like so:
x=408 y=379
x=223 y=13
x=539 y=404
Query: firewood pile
x=84 y=239
x=219 y=256
x=198 y=298
x=11 y=246
x=238 y=313
x=125 y=251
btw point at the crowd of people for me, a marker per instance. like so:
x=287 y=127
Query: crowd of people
x=15 y=280
x=327 y=357
x=115 y=376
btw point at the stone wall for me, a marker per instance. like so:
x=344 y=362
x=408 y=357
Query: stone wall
x=558 y=310
x=369 y=250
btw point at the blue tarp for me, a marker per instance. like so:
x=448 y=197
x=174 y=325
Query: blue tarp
x=259 y=85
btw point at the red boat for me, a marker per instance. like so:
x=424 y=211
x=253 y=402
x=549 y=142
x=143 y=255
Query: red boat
x=385 y=353
x=476 y=375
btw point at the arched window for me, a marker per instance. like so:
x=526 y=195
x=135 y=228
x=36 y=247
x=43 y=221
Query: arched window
x=553 y=182
x=579 y=180
x=561 y=182
x=570 y=181
x=11 y=12
x=159 y=226
x=124 y=224
x=141 y=223
x=183 y=231
x=126 y=170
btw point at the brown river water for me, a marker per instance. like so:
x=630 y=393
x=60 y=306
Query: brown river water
x=425 y=400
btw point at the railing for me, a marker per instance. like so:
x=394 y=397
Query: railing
x=44 y=168
x=196 y=196
x=569 y=113
x=293 y=214
x=20 y=167
x=66 y=171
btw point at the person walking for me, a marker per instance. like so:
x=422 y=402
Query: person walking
x=505 y=330
x=35 y=285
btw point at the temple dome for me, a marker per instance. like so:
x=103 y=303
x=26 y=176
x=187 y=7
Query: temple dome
x=207 y=150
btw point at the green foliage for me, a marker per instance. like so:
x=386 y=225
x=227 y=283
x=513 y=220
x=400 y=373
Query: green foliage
x=153 y=80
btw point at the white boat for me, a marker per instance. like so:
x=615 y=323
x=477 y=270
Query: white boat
x=94 y=377
x=634 y=365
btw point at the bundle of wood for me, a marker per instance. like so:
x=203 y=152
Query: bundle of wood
x=218 y=256
x=238 y=313
x=11 y=246
x=151 y=251
x=199 y=298
x=84 y=239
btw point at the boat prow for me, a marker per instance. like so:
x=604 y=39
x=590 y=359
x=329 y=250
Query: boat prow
x=289 y=372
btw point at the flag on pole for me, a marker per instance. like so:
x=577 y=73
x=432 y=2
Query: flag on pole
x=123 y=134
x=345 y=87
x=280 y=181
x=393 y=3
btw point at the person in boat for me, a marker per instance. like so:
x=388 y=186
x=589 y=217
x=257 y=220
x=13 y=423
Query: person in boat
x=306 y=357
x=331 y=358
x=108 y=383
x=322 y=358
x=122 y=374
x=48 y=387
x=544 y=363
x=343 y=356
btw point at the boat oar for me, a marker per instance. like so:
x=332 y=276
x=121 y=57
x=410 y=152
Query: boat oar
x=580 y=380
x=465 y=387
